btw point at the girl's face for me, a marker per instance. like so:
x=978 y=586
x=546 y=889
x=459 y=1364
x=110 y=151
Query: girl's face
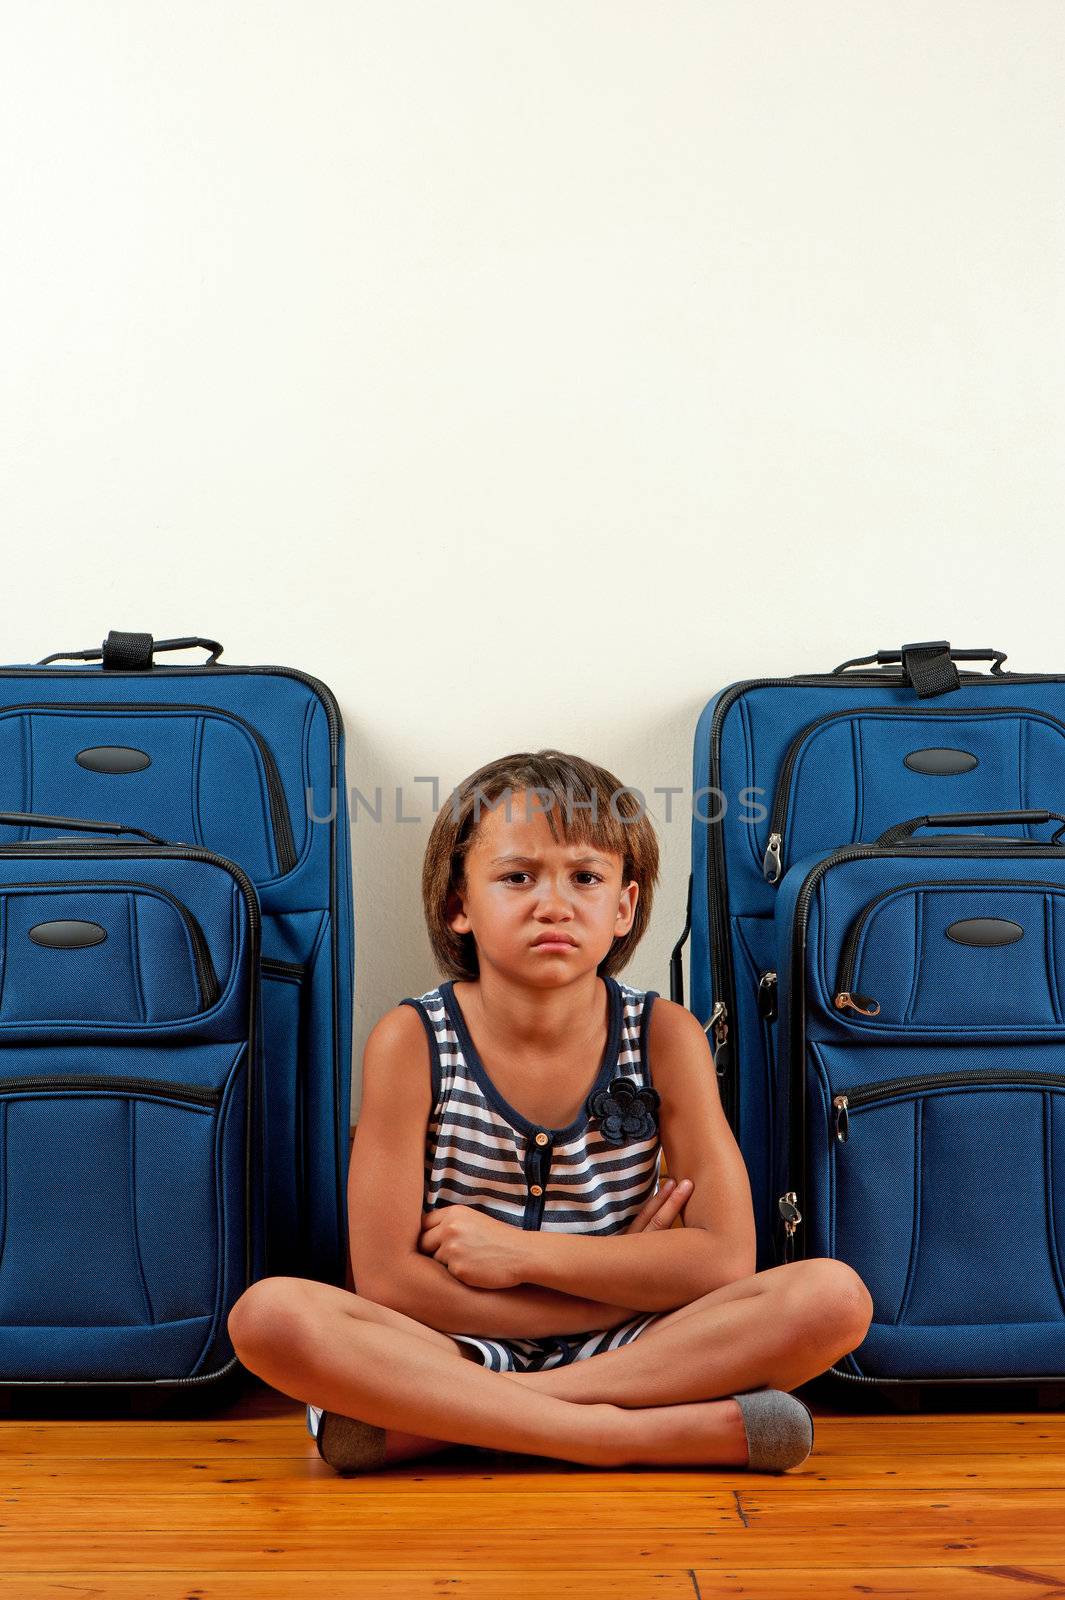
x=523 y=887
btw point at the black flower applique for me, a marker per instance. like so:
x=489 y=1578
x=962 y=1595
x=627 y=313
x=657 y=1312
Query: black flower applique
x=626 y=1111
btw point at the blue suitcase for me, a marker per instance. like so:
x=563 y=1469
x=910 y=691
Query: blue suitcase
x=130 y=1078
x=246 y=762
x=789 y=768
x=920 y=1092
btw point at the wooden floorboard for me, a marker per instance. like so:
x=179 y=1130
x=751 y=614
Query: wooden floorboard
x=236 y=1503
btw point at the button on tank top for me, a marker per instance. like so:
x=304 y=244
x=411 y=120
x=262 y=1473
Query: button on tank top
x=481 y=1152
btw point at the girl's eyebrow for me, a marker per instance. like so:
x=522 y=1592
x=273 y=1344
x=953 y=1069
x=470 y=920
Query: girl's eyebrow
x=535 y=860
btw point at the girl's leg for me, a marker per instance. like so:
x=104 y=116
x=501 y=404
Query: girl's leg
x=317 y=1351
x=775 y=1329
x=399 y=1446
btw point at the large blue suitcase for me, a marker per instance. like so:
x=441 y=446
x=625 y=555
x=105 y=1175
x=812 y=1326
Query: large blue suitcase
x=789 y=768
x=246 y=762
x=130 y=1093
x=920 y=1092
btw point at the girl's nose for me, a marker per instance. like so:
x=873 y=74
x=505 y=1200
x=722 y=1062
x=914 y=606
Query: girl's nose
x=552 y=898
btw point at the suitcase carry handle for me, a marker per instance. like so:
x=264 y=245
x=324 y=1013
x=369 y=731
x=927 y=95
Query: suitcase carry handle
x=902 y=831
x=133 y=652
x=34 y=819
x=928 y=667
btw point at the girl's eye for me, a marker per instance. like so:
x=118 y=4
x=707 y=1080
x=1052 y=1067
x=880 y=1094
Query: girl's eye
x=509 y=878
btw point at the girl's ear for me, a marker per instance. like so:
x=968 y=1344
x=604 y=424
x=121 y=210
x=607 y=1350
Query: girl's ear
x=453 y=909
x=627 y=908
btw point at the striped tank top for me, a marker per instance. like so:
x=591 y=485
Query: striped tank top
x=481 y=1152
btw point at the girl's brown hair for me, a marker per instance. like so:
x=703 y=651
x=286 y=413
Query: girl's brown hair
x=594 y=807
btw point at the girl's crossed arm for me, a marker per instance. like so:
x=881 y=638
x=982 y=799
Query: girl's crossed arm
x=716 y=1244
x=650 y=1270
x=385 y=1188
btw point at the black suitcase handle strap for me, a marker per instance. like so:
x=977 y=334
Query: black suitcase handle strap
x=900 y=832
x=34 y=819
x=928 y=667
x=676 y=960
x=133 y=652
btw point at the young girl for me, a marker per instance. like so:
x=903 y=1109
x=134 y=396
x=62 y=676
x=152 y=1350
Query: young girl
x=520 y=1285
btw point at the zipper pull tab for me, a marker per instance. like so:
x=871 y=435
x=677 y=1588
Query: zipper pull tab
x=864 y=1004
x=718 y=1027
x=771 y=859
x=843 y=1120
x=789 y=1210
x=767 y=996
x=717 y=1023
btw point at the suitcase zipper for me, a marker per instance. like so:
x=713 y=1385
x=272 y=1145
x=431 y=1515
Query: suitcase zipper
x=206 y=977
x=322 y=690
x=868 y=1093
x=43 y=1083
x=282 y=969
x=772 y=863
x=109 y=851
x=864 y=1004
x=717 y=1026
x=279 y=813
x=844 y=999
x=766 y=999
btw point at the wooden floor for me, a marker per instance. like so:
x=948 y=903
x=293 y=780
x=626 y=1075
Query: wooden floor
x=237 y=1505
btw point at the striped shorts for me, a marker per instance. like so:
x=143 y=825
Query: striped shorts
x=557 y=1350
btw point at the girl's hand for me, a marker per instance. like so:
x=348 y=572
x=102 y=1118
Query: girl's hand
x=476 y=1249
x=663 y=1207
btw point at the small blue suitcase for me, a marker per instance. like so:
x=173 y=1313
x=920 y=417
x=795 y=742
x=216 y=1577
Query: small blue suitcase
x=246 y=762
x=920 y=1092
x=130 y=1100
x=789 y=768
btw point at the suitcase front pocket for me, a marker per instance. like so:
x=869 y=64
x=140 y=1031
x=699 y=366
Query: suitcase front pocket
x=942 y=1186
x=104 y=953
x=889 y=762
x=122 y=1220
x=170 y=768
x=986 y=955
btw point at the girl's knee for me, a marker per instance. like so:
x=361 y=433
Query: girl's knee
x=270 y=1312
x=832 y=1298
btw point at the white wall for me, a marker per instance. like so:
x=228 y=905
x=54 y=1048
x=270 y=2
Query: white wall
x=529 y=370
